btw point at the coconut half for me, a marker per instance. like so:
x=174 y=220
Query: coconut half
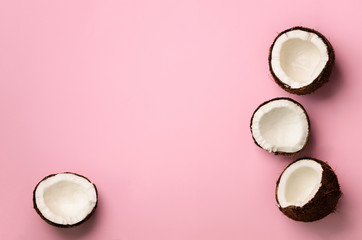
x=281 y=126
x=301 y=60
x=65 y=199
x=307 y=190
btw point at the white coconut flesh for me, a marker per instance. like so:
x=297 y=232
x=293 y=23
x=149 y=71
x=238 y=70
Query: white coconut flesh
x=280 y=126
x=65 y=198
x=299 y=183
x=298 y=57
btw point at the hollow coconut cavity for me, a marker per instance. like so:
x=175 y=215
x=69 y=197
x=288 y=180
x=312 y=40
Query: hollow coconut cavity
x=281 y=126
x=65 y=199
x=307 y=190
x=301 y=60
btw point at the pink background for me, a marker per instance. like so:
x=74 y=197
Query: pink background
x=152 y=101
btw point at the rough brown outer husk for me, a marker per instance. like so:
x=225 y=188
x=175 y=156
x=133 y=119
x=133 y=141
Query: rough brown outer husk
x=64 y=225
x=280 y=152
x=323 y=203
x=322 y=78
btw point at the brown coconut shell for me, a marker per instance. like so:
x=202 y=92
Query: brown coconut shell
x=281 y=152
x=319 y=81
x=64 y=225
x=323 y=203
